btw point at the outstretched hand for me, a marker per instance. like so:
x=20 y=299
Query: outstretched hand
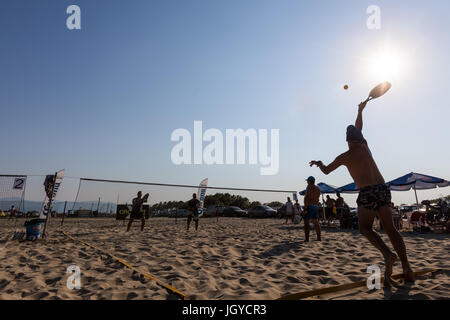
x=313 y=162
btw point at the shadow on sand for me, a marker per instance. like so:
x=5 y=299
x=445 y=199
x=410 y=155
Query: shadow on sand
x=280 y=249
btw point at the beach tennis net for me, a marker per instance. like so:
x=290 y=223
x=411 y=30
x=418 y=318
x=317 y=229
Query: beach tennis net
x=96 y=197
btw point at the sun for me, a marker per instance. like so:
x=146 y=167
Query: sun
x=387 y=64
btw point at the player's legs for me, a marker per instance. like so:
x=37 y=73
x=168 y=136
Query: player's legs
x=306 y=222
x=129 y=224
x=196 y=224
x=142 y=224
x=317 y=228
x=385 y=215
x=366 y=218
x=189 y=222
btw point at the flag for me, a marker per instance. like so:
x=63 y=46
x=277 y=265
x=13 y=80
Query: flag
x=52 y=184
x=201 y=195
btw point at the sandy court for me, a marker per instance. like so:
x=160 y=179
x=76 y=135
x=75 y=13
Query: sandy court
x=234 y=258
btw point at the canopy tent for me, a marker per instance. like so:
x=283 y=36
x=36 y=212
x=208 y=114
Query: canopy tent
x=324 y=189
x=348 y=188
x=416 y=181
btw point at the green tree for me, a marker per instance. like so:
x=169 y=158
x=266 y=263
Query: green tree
x=274 y=204
x=255 y=203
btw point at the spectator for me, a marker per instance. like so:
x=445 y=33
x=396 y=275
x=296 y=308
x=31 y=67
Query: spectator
x=289 y=210
x=297 y=212
x=396 y=216
x=329 y=204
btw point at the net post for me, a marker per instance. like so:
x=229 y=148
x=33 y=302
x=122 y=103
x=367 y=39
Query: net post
x=64 y=213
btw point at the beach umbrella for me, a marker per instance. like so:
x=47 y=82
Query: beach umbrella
x=416 y=181
x=348 y=188
x=324 y=189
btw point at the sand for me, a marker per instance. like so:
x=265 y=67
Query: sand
x=234 y=258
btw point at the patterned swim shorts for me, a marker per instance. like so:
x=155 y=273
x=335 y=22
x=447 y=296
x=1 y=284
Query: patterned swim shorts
x=374 y=197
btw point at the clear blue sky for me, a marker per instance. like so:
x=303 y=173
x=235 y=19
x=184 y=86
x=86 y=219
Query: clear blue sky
x=103 y=101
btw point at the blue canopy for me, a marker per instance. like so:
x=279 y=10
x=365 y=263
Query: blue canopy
x=324 y=188
x=416 y=181
x=348 y=188
x=407 y=182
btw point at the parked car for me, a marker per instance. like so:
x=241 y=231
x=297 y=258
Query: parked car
x=233 y=212
x=261 y=212
x=162 y=213
x=213 y=211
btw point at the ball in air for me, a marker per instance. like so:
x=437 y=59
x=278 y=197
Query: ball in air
x=345 y=87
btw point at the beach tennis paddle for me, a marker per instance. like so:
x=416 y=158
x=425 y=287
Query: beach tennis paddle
x=378 y=91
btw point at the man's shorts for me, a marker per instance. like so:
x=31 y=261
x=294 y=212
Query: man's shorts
x=374 y=197
x=136 y=215
x=312 y=212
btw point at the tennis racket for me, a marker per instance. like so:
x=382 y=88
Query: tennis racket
x=378 y=91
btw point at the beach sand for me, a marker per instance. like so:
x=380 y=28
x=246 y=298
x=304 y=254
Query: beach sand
x=235 y=258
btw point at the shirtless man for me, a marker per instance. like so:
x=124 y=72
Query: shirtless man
x=193 y=206
x=311 y=202
x=136 y=211
x=374 y=196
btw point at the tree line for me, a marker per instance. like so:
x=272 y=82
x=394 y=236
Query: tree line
x=218 y=199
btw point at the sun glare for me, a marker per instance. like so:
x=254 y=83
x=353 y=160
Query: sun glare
x=387 y=64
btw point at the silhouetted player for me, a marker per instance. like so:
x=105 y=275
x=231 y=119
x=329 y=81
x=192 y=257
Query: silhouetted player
x=136 y=211
x=193 y=206
x=374 y=196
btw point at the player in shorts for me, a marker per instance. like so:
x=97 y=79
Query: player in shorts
x=136 y=211
x=311 y=213
x=374 y=198
x=193 y=205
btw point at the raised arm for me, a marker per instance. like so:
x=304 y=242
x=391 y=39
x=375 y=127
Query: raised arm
x=339 y=161
x=359 y=120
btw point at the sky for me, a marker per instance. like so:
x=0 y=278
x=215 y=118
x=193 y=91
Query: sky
x=103 y=101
